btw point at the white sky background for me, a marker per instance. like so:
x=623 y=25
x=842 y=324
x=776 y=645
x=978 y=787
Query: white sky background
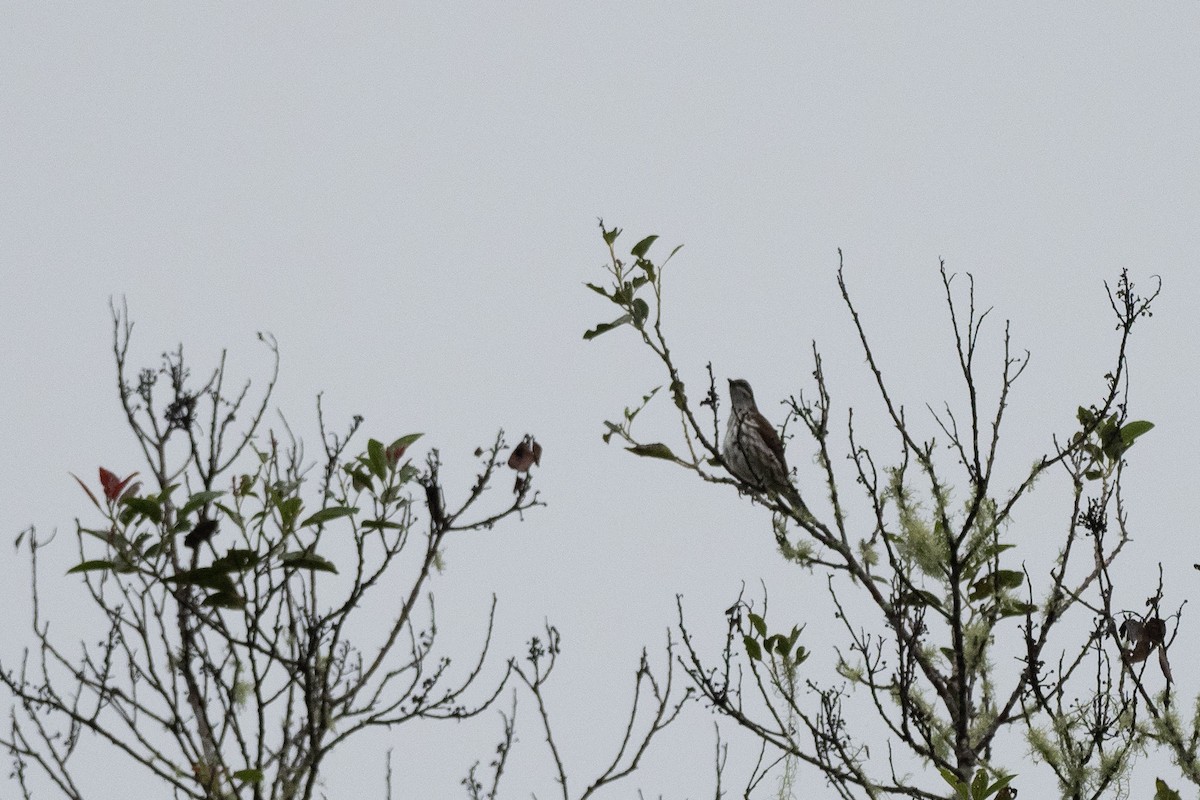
x=407 y=199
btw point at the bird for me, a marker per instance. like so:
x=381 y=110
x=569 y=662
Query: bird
x=752 y=451
x=202 y=532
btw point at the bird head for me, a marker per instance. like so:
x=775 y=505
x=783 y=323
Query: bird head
x=741 y=396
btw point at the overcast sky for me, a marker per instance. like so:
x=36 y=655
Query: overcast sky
x=406 y=196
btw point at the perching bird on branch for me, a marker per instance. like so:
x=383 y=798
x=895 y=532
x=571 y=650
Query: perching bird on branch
x=752 y=450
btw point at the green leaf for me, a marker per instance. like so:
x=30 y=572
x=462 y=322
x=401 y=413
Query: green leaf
x=380 y=524
x=236 y=560
x=1110 y=438
x=1010 y=578
x=206 y=577
x=359 y=479
x=91 y=566
x=996 y=581
x=290 y=509
x=1132 y=430
x=225 y=599
x=920 y=597
x=1164 y=792
x=1001 y=782
x=979 y=784
x=301 y=559
x=793 y=636
x=605 y=327
x=776 y=644
x=1014 y=608
x=234 y=516
x=950 y=778
x=678 y=395
x=248 y=775
x=655 y=450
x=639 y=249
x=759 y=624
x=630 y=413
x=752 y=648
x=641 y=312
x=377 y=458
x=197 y=500
x=610 y=236
x=1093 y=474
x=405 y=441
x=597 y=289
x=982 y=558
x=326 y=514
x=148 y=507
x=993 y=550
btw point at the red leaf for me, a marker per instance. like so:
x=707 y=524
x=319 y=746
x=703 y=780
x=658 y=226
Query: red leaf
x=394 y=454
x=111 y=484
x=1162 y=663
x=86 y=489
x=525 y=455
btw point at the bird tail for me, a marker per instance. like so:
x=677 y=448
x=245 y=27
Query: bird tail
x=792 y=497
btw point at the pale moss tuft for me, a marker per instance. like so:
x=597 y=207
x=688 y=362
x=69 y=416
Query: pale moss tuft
x=983 y=527
x=1044 y=747
x=977 y=636
x=801 y=553
x=867 y=552
x=852 y=674
x=922 y=543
